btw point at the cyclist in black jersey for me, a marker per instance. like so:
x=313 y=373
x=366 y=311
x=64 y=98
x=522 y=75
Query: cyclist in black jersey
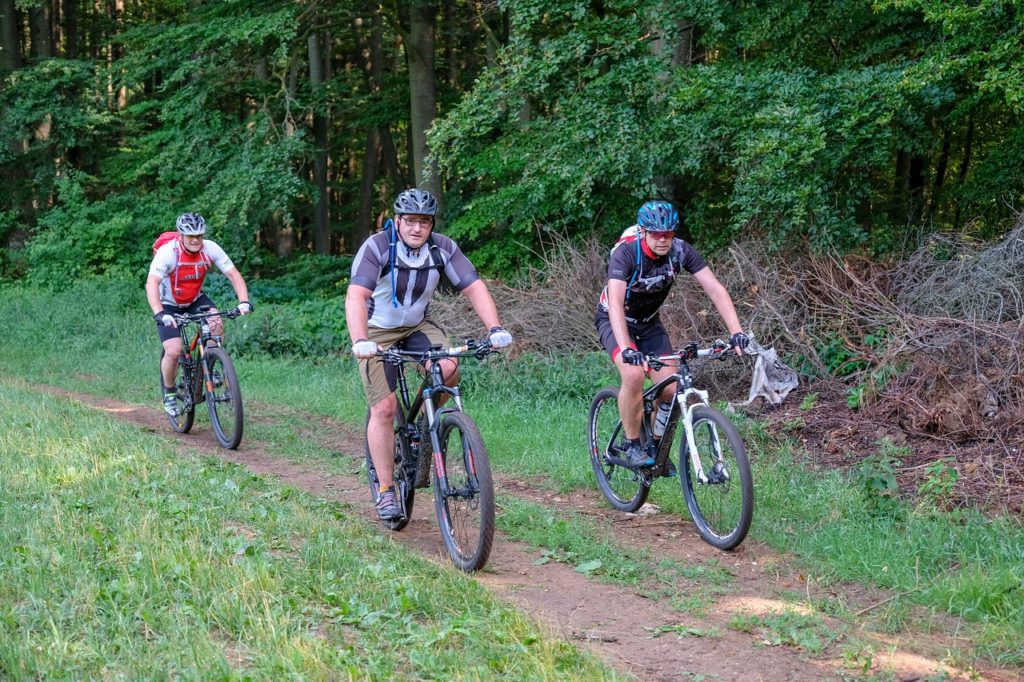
x=642 y=267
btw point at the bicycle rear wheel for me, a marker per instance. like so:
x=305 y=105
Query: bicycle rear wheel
x=223 y=398
x=723 y=507
x=186 y=411
x=624 y=488
x=403 y=479
x=465 y=507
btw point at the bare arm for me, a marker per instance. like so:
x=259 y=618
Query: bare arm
x=617 y=313
x=720 y=297
x=235 y=277
x=356 y=316
x=480 y=298
x=153 y=293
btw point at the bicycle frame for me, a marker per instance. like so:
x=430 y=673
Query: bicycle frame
x=687 y=398
x=202 y=339
x=425 y=399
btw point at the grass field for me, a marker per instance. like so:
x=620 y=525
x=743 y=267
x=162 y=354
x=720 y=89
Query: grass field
x=533 y=413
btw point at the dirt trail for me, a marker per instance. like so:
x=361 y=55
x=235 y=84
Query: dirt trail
x=615 y=623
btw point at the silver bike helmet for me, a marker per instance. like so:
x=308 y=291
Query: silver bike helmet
x=418 y=201
x=190 y=224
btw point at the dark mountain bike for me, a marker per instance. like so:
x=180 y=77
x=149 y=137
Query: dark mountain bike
x=446 y=437
x=205 y=373
x=715 y=473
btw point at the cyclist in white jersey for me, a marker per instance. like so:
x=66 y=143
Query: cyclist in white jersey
x=394 y=276
x=175 y=283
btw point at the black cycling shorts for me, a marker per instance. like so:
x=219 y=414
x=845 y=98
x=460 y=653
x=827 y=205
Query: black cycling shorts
x=649 y=337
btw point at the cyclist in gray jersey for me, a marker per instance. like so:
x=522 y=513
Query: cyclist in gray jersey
x=394 y=276
x=642 y=268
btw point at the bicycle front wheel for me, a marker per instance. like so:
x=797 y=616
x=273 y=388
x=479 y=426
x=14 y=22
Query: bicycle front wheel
x=403 y=479
x=464 y=500
x=723 y=507
x=223 y=398
x=624 y=488
x=184 y=408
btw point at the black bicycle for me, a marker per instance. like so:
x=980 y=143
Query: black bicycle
x=716 y=478
x=463 y=487
x=205 y=373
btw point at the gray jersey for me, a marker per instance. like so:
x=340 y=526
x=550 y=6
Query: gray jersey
x=400 y=297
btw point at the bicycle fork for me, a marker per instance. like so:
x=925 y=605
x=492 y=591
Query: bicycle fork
x=687 y=410
x=434 y=426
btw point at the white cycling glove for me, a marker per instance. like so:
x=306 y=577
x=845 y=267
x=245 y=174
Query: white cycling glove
x=364 y=349
x=499 y=337
x=245 y=307
x=165 y=319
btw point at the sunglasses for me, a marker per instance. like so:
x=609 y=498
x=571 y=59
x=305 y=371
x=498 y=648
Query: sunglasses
x=661 y=236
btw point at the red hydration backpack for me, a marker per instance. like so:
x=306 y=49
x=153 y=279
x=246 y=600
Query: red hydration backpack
x=202 y=261
x=163 y=239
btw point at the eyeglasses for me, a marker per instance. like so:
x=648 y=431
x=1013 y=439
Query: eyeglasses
x=661 y=236
x=422 y=222
x=192 y=237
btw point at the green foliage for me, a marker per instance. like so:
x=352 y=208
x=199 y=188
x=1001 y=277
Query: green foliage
x=937 y=489
x=840 y=360
x=313 y=328
x=876 y=477
x=809 y=402
x=80 y=238
x=873 y=384
x=305 y=276
x=801 y=631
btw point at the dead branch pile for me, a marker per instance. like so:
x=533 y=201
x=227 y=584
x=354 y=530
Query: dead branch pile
x=934 y=340
x=552 y=311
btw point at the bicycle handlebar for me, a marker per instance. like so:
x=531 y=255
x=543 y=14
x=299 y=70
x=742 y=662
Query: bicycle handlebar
x=185 y=318
x=691 y=351
x=471 y=348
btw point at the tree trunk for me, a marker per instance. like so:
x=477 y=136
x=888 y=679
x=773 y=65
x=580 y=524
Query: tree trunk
x=419 y=51
x=940 y=173
x=321 y=225
x=10 y=36
x=371 y=156
x=40 y=38
x=70 y=14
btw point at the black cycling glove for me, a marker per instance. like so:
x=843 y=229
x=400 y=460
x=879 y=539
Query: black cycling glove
x=739 y=340
x=631 y=356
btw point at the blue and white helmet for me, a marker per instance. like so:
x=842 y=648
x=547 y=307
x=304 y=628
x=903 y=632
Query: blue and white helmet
x=190 y=224
x=658 y=216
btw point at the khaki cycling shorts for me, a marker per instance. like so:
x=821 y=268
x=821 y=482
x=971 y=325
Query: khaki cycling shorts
x=380 y=380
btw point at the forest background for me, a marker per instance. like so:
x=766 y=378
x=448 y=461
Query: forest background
x=853 y=171
x=845 y=127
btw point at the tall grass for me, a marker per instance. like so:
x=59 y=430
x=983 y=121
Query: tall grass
x=532 y=413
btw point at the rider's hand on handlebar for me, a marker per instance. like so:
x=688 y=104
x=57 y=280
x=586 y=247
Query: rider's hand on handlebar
x=739 y=341
x=165 y=319
x=631 y=356
x=499 y=337
x=364 y=349
x=244 y=308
